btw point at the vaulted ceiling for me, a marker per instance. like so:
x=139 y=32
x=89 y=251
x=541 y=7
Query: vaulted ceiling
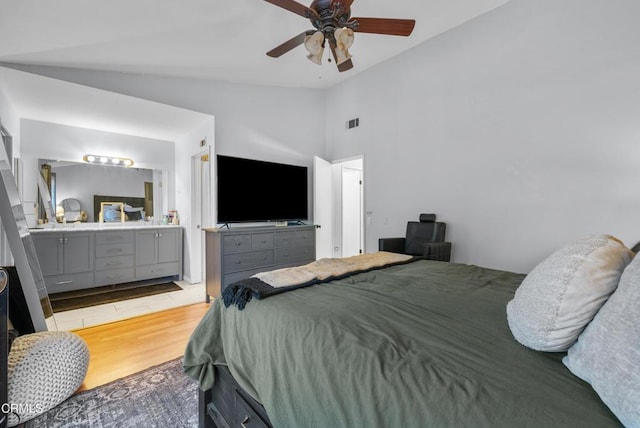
x=206 y=39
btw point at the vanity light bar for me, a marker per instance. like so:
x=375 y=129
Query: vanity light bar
x=107 y=160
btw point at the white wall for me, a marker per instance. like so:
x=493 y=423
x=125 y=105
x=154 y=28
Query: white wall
x=519 y=129
x=11 y=122
x=42 y=140
x=267 y=123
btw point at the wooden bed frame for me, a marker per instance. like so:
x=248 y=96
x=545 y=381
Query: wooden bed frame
x=227 y=405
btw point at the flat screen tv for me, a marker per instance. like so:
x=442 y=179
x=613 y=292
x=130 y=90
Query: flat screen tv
x=256 y=191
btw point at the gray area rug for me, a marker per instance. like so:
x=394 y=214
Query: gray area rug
x=161 y=396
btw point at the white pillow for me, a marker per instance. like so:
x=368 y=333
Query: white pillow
x=607 y=353
x=563 y=293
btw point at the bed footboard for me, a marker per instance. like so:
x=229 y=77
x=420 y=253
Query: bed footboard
x=227 y=405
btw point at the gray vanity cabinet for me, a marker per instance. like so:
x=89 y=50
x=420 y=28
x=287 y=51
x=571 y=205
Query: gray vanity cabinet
x=66 y=260
x=49 y=253
x=114 y=257
x=78 y=259
x=158 y=253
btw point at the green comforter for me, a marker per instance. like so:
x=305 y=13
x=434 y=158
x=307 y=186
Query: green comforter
x=419 y=345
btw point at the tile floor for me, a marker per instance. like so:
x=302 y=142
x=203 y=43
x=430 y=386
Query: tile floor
x=101 y=314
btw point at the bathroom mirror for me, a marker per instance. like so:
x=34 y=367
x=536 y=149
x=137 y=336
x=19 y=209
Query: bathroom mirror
x=91 y=184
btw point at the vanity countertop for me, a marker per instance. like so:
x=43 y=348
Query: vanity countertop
x=84 y=227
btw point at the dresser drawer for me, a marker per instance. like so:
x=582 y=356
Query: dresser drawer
x=237 y=244
x=117 y=262
x=114 y=276
x=247 y=417
x=229 y=406
x=244 y=261
x=158 y=271
x=118 y=237
x=110 y=250
x=262 y=241
x=60 y=283
x=294 y=254
x=295 y=238
x=230 y=278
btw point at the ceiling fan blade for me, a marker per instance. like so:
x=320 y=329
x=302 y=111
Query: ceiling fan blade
x=389 y=26
x=294 y=6
x=288 y=45
x=347 y=3
x=347 y=65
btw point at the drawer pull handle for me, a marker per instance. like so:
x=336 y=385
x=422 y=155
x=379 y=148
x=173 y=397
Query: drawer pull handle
x=238 y=244
x=244 y=421
x=114 y=263
x=64 y=282
x=118 y=275
x=114 y=250
x=239 y=262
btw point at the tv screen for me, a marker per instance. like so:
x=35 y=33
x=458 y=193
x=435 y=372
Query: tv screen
x=252 y=190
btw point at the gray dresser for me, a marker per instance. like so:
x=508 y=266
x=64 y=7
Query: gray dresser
x=237 y=253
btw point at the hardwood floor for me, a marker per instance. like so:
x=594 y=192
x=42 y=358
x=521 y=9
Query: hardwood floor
x=125 y=347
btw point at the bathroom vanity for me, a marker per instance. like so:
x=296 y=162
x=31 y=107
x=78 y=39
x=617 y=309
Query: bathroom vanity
x=86 y=255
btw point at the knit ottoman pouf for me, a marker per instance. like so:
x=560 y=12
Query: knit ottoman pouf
x=44 y=370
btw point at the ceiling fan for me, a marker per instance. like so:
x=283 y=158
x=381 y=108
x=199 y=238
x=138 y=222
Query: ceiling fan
x=333 y=23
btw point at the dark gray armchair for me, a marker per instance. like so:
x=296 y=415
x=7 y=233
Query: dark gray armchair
x=424 y=238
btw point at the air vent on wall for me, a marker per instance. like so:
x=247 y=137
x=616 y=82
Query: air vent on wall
x=353 y=123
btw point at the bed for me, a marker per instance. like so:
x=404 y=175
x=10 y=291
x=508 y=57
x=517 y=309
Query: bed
x=134 y=206
x=420 y=344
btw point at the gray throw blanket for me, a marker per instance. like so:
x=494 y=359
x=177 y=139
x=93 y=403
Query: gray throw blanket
x=278 y=281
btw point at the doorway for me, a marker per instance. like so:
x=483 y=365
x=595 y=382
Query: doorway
x=200 y=209
x=351 y=211
x=339 y=207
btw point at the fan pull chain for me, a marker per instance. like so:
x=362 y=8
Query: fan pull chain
x=321 y=69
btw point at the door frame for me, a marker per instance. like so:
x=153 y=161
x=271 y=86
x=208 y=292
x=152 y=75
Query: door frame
x=200 y=210
x=337 y=206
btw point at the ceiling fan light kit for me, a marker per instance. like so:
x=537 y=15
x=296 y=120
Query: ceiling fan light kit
x=344 y=39
x=314 y=44
x=333 y=24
